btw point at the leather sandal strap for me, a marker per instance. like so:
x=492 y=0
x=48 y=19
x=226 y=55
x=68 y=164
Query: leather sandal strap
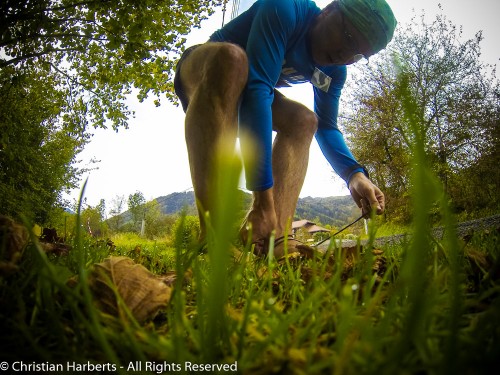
x=280 y=240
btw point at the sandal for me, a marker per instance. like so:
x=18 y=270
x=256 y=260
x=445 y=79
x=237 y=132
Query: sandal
x=299 y=247
x=261 y=247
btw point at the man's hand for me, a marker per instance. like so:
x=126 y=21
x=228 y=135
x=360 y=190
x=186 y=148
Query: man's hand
x=366 y=195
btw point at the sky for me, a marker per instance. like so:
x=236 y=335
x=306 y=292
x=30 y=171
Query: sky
x=151 y=155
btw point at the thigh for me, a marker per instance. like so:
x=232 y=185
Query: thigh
x=208 y=64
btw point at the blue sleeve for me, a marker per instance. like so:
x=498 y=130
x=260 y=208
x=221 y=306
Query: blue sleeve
x=271 y=28
x=329 y=137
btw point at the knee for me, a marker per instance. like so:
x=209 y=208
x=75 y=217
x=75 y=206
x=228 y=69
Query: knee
x=306 y=123
x=232 y=64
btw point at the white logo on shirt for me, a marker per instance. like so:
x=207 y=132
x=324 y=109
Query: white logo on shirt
x=321 y=80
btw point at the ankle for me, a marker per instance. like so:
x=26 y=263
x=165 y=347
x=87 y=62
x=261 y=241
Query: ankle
x=263 y=200
x=261 y=217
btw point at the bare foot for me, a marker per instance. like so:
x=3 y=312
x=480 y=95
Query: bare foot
x=257 y=229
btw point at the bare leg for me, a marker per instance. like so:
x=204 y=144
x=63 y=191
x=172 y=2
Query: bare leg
x=213 y=77
x=274 y=208
x=295 y=125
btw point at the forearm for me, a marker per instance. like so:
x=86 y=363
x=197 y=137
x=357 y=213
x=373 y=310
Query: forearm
x=332 y=144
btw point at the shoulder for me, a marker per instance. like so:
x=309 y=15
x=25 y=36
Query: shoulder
x=276 y=7
x=290 y=9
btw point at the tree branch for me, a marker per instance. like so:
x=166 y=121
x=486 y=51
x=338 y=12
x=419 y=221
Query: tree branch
x=50 y=36
x=73 y=80
x=4 y=63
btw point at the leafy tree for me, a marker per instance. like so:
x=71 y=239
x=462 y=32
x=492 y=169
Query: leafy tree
x=65 y=65
x=475 y=188
x=39 y=142
x=137 y=207
x=118 y=205
x=93 y=222
x=154 y=218
x=102 y=48
x=101 y=208
x=456 y=94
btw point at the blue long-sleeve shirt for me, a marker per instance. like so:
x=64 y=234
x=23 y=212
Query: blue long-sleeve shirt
x=274 y=35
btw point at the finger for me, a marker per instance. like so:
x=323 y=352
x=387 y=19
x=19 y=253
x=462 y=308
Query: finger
x=365 y=207
x=374 y=203
x=382 y=206
x=381 y=202
x=378 y=210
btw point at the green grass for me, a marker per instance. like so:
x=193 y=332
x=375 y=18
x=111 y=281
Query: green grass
x=390 y=229
x=425 y=307
x=156 y=255
x=433 y=314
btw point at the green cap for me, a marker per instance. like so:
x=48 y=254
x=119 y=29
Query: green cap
x=373 y=18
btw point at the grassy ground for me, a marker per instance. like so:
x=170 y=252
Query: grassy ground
x=422 y=308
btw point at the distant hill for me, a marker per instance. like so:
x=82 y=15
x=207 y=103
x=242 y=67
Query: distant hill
x=336 y=211
x=177 y=202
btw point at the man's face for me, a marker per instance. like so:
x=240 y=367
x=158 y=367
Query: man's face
x=335 y=41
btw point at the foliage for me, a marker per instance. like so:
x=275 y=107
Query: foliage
x=117 y=207
x=66 y=65
x=162 y=214
x=39 y=142
x=157 y=224
x=458 y=101
x=137 y=207
x=475 y=188
x=389 y=229
x=64 y=222
x=93 y=222
x=155 y=254
x=101 y=48
x=187 y=230
x=302 y=234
